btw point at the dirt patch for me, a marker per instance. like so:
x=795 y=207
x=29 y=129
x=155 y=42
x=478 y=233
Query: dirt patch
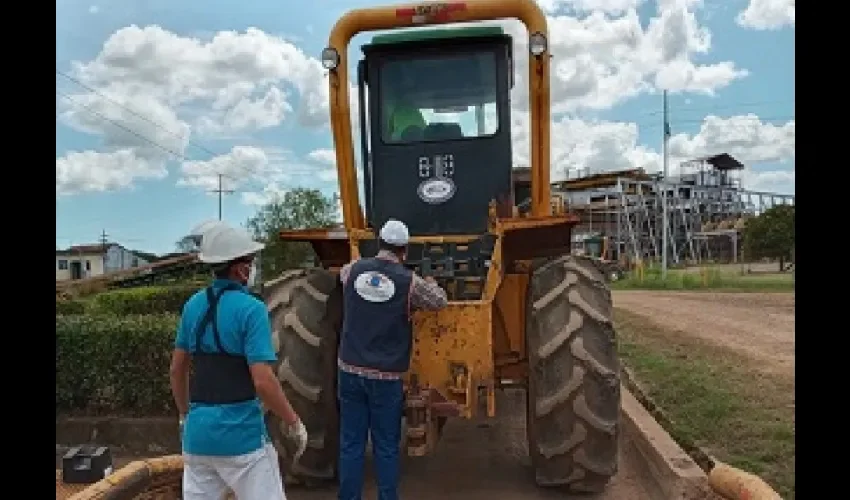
x=760 y=326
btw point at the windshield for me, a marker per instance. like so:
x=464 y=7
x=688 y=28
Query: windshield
x=439 y=98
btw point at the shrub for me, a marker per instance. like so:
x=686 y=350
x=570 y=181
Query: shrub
x=70 y=306
x=114 y=364
x=144 y=300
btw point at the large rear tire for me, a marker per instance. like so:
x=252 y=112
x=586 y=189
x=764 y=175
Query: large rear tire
x=305 y=309
x=574 y=376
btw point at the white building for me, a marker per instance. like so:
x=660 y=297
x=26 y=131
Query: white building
x=87 y=261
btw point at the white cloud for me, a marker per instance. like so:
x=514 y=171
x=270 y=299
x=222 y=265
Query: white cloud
x=768 y=14
x=324 y=156
x=606 y=6
x=241 y=165
x=581 y=147
x=266 y=111
x=770 y=181
x=234 y=82
x=90 y=171
x=137 y=146
x=604 y=56
x=587 y=147
x=226 y=69
x=745 y=137
x=237 y=82
x=94 y=9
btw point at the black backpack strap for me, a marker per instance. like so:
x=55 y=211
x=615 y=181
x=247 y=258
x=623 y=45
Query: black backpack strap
x=210 y=317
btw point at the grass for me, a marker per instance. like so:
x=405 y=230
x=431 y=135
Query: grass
x=705 y=279
x=715 y=399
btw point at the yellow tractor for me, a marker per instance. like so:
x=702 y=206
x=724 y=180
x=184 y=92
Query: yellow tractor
x=436 y=153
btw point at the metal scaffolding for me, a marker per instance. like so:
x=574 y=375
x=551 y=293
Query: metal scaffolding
x=707 y=209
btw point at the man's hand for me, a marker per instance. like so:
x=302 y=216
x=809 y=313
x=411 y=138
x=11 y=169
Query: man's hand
x=430 y=279
x=297 y=433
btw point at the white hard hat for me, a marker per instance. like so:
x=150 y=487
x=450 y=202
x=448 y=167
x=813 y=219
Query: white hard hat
x=395 y=233
x=223 y=243
x=197 y=233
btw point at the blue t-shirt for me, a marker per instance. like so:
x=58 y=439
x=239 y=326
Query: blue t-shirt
x=244 y=327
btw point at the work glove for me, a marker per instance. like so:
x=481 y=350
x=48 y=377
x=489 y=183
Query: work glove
x=296 y=433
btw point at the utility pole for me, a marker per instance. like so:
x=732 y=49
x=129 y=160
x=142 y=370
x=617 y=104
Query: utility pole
x=104 y=240
x=664 y=222
x=221 y=191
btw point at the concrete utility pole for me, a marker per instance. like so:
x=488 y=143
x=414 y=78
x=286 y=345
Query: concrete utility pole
x=664 y=222
x=221 y=191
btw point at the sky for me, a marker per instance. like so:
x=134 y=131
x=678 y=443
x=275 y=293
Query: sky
x=155 y=99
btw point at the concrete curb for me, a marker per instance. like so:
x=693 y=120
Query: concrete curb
x=674 y=473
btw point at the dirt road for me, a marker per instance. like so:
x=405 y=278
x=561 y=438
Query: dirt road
x=482 y=461
x=761 y=326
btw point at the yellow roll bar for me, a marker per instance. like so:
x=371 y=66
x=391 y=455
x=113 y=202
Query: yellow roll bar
x=410 y=15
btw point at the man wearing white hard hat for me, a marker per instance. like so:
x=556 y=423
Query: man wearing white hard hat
x=197 y=233
x=226 y=335
x=379 y=296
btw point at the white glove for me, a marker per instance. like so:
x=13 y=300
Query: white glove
x=297 y=433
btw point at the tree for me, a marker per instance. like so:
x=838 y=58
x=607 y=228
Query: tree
x=771 y=235
x=299 y=208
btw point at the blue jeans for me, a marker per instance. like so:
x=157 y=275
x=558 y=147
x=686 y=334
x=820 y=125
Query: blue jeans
x=365 y=406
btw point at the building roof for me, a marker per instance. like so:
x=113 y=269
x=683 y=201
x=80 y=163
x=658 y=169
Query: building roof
x=723 y=161
x=87 y=249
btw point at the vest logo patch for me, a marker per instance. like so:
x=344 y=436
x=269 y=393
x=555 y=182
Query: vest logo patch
x=373 y=286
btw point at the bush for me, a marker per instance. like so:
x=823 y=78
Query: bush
x=108 y=364
x=70 y=306
x=143 y=300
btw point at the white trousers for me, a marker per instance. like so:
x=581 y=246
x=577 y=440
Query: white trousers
x=253 y=476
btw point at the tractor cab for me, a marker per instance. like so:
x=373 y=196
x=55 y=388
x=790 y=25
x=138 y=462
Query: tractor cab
x=435 y=128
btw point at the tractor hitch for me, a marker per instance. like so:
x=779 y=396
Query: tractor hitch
x=426 y=410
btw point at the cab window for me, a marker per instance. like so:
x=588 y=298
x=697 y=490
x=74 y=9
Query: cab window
x=439 y=98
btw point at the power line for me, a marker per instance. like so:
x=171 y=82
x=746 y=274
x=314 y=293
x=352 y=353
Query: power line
x=135 y=113
x=122 y=127
x=159 y=125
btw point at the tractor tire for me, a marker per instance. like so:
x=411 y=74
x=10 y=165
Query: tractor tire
x=573 y=404
x=305 y=309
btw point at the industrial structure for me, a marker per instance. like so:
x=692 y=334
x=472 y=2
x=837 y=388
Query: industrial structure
x=707 y=209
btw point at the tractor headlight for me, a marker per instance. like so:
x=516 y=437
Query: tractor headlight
x=537 y=44
x=330 y=58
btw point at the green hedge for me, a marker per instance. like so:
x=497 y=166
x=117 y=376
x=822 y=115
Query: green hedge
x=108 y=364
x=143 y=300
x=70 y=306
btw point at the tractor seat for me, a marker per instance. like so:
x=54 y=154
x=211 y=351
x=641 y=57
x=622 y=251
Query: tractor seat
x=442 y=132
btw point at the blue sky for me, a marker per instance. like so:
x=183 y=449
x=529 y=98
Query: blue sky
x=256 y=100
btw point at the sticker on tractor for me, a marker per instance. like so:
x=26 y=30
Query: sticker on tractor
x=430 y=12
x=373 y=286
x=437 y=185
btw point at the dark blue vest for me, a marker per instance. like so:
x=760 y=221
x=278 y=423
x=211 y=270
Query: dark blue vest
x=377 y=332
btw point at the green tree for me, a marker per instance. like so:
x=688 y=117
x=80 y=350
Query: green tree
x=299 y=208
x=771 y=235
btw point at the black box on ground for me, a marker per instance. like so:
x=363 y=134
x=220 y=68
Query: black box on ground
x=86 y=464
